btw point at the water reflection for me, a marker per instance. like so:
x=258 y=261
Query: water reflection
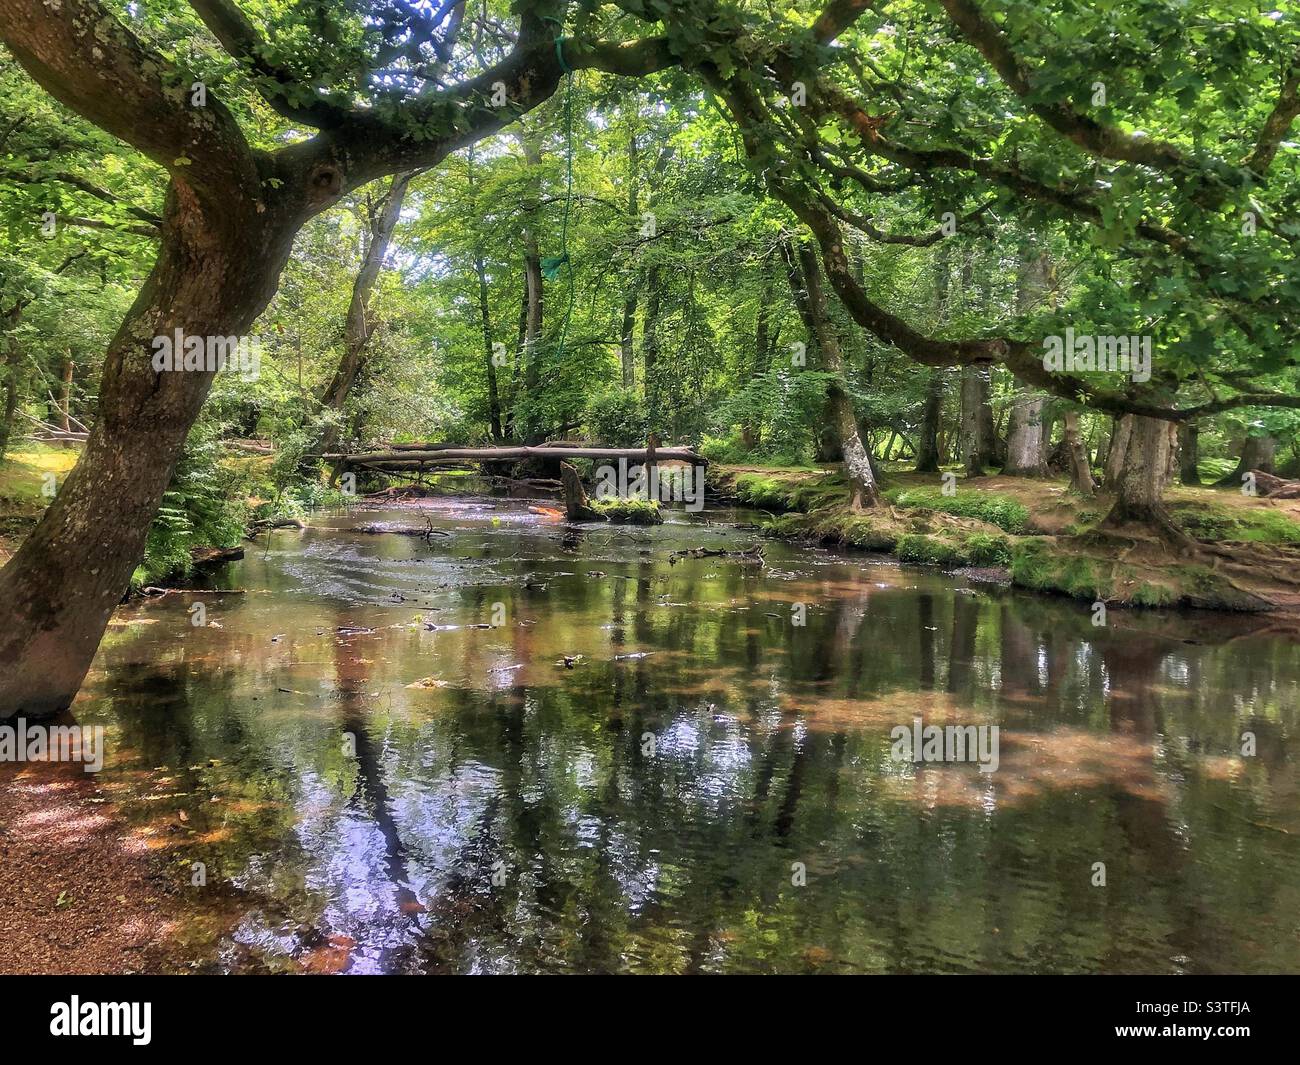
x=376 y=780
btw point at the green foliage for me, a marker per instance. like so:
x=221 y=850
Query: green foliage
x=762 y=492
x=617 y=418
x=928 y=550
x=987 y=550
x=202 y=507
x=1004 y=512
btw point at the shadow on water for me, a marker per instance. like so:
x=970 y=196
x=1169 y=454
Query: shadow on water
x=531 y=747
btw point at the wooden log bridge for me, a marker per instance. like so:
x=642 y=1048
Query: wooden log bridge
x=403 y=459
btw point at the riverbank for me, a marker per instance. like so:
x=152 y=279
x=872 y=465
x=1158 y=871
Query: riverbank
x=82 y=895
x=1038 y=535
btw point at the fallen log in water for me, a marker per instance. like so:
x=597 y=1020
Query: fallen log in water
x=380 y=528
x=153 y=591
x=517 y=454
x=208 y=556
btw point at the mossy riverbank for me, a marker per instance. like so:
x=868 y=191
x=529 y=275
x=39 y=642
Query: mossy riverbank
x=1036 y=534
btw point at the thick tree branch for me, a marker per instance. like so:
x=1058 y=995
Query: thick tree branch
x=89 y=187
x=1096 y=138
x=238 y=36
x=1023 y=359
x=1278 y=123
x=108 y=77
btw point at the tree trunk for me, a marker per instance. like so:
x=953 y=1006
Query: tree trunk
x=360 y=325
x=577 y=507
x=1142 y=479
x=1189 y=457
x=978 y=438
x=927 y=455
x=1257 y=453
x=1120 y=435
x=530 y=339
x=810 y=297
x=1080 y=470
x=213 y=276
x=1025 y=436
x=65 y=397
x=10 y=370
x=495 y=424
x=751 y=432
x=626 y=347
x=650 y=345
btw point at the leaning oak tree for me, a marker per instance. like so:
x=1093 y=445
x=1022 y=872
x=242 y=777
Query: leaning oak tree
x=362 y=92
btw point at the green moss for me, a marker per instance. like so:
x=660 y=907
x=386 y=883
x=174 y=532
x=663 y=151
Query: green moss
x=1076 y=576
x=1002 y=511
x=629 y=511
x=1147 y=594
x=928 y=550
x=783 y=493
x=983 y=549
x=1257 y=524
x=866 y=534
x=1031 y=564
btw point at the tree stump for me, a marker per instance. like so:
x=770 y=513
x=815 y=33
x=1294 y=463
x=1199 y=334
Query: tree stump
x=577 y=507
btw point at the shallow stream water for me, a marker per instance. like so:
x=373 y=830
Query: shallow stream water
x=381 y=758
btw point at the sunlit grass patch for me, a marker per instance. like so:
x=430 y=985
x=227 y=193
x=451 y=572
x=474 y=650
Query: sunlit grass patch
x=1007 y=514
x=1255 y=524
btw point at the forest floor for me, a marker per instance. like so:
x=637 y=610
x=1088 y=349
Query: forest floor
x=1242 y=552
x=81 y=893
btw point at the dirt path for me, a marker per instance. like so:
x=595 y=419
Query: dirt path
x=77 y=894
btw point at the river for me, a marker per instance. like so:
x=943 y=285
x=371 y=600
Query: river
x=529 y=747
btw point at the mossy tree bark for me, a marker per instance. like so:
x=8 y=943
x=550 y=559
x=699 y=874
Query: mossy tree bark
x=1142 y=479
x=1189 y=457
x=1080 y=469
x=927 y=453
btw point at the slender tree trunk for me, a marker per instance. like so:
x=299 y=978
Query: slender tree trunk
x=360 y=324
x=65 y=397
x=1189 y=458
x=626 y=347
x=10 y=370
x=927 y=455
x=627 y=338
x=751 y=432
x=1080 y=470
x=531 y=339
x=495 y=424
x=650 y=344
x=811 y=298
